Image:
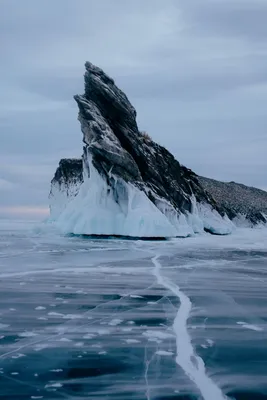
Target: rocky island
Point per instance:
(125, 184)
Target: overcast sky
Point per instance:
(195, 70)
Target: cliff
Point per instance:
(126, 184)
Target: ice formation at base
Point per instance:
(94, 208)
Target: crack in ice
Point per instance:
(186, 358)
(147, 363)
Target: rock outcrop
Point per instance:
(238, 200)
(69, 172)
(110, 133)
(124, 174)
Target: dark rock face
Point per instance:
(111, 135)
(69, 172)
(67, 180)
(236, 199)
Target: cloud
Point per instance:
(5, 185)
(228, 18)
(195, 71)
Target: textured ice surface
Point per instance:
(181, 319)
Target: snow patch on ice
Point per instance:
(54, 385)
(158, 334)
(79, 344)
(131, 341)
(27, 334)
(18, 356)
(210, 342)
(88, 336)
(250, 326)
(164, 353)
(115, 322)
(154, 340)
(55, 314)
(126, 329)
(72, 316)
(65, 340)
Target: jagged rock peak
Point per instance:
(111, 136)
(93, 69)
(101, 89)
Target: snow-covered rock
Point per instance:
(246, 206)
(126, 184)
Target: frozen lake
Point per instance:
(90, 319)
